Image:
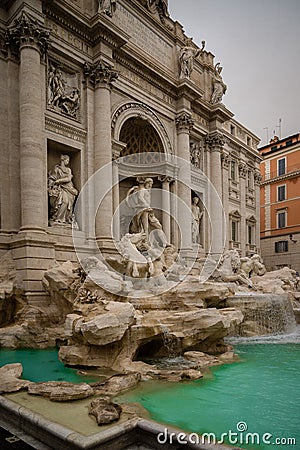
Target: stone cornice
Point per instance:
(99, 73)
(287, 176)
(56, 126)
(27, 31)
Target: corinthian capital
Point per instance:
(184, 123)
(215, 141)
(99, 73)
(27, 31)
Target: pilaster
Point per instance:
(101, 76)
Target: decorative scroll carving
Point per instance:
(63, 91)
(184, 123)
(219, 87)
(26, 30)
(99, 72)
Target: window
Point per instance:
(281, 193)
(250, 179)
(288, 143)
(233, 170)
(250, 234)
(281, 219)
(281, 166)
(234, 231)
(248, 141)
(232, 130)
(281, 246)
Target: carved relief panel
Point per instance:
(63, 90)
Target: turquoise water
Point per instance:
(42, 365)
(262, 390)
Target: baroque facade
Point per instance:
(280, 203)
(84, 82)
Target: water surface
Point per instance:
(262, 391)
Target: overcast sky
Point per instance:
(258, 45)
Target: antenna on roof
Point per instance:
(279, 128)
(267, 129)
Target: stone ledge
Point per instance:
(134, 431)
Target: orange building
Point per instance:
(280, 203)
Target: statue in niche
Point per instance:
(61, 97)
(196, 220)
(107, 7)
(219, 87)
(139, 199)
(62, 193)
(186, 59)
(195, 154)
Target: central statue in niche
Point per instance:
(139, 200)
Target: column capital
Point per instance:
(165, 178)
(184, 122)
(242, 169)
(225, 158)
(28, 32)
(257, 177)
(99, 74)
(215, 141)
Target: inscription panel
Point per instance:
(68, 37)
(144, 84)
(143, 37)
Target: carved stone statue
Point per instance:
(159, 6)
(107, 7)
(139, 199)
(195, 154)
(219, 88)
(196, 219)
(186, 59)
(59, 97)
(61, 192)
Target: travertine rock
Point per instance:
(110, 326)
(61, 391)
(105, 411)
(10, 381)
(117, 384)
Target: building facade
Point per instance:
(280, 203)
(95, 81)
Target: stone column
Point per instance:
(243, 238)
(31, 38)
(101, 76)
(225, 159)
(184, 123)
(166, 206)
(257, 181)
(215, 142)
(116, 196)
